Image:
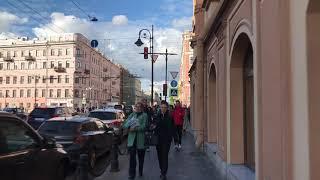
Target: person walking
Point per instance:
(178, 115)
(136, 124)
(164, 129)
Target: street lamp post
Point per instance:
(140, 43)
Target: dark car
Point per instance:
(24, 154)
(17, 111)
(41, 114)
(80, 135)
(112, 117)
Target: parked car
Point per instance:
(18, 112)
(80, 135)
(112, 117)
(41, 114)
(24, 154)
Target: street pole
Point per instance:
(165, 97)
(151, 65)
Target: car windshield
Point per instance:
(59, 128)
(43, 112)
(103, 115)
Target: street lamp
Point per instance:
(140, 43)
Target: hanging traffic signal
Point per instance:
(145, 52)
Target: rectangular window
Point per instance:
(1, 80)
(44, 65)
(52, 52)
(7, 93)
(37, 53)
(37, 79)
(43, 93)
(52, 64)
(8, 66)
(60, 52)
(67, 64)
(22, 65)
(76, 80)
(76, 93)
(15, 66)
(29, 65)
(28, 93)
(66, 79)
(29, 79)
(14, 80)
(51, 79)
(21, 93)
(1, 66)
(59, 64)
(36, 93)
(66, 93)
(14, 93)
(1, 55)
(59, 78)
(15, 54)
(21, 79)
(44, 79)
(7, 80)
(44, 52)
(26, 53)
(59, 93)
(22, 53)
(51, 93)
(68, 52)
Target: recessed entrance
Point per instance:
(212, 108)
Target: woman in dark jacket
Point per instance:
(164, 130)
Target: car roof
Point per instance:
(108, 110)
(78, 119)
(6, 114)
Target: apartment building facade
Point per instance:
(186, 62)
(61, 70)
(255, 87)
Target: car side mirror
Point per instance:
(50, 143)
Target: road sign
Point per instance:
(154, 57)
(174, 74)
(94, 43)
(174, 92)
(174, 83)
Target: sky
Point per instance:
(117, 28)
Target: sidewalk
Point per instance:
(184, 165)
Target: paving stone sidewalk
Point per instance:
(188, 164)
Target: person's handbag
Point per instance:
(151, 138)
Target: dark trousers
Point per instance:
(133, 161)
(163, 152)
(178, 134)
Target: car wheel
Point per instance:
(92, 158)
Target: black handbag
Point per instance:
(151, 138)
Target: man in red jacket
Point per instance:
(178, 115)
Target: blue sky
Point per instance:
(117, 28)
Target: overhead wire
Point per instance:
(82, 10)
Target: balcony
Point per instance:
(8, 59)
(60, 69)
(30, 58)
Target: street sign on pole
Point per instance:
(174, 83)
(174, 92)
(94, 43)
(174, 74)
(154, 57)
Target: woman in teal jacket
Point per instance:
(136, 123)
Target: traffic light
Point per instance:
(145, 52)
(165, 89)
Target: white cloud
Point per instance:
(7, 20)
(117, 41)
(120, 20)
(183, 23)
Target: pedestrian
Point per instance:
(178, 115)
(136, 124)
(164, 129)
(148, 110)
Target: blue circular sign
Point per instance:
(174, 83)
(94, 43)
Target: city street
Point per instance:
(184, 165)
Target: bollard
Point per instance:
(83, 167)
(114, 155)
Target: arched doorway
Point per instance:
(242, 103)
(212, 107)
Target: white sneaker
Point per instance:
(179, 146)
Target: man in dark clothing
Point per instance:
(164, 130)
